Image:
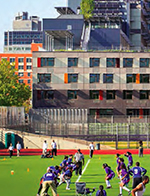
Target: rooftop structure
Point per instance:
(26, 30)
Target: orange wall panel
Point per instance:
(137, 78)
(65, 78)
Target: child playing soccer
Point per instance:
(109, 175)
(130, 159)
(124, 180)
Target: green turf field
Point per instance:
(26, 183)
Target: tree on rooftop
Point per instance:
(12, 93)
(87, 7)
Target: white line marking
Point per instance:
(83, 170)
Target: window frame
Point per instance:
(74, 94)
(73, 62)
(106, 77)
(96, 78)
(94, 62)
(71, 78)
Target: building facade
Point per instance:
(26, 30)
(105, 83)
(23, 63)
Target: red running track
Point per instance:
(28, 152)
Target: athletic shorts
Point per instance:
(136, 181)
(111, 176)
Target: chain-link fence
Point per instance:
(77, 123)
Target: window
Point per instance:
(29, 81)
(94, 62)
(29, 74)
(101, 112)
(94, 94)
(20, 60)
(45, 94)
(144, 94)
(131, 78)
(108, 78)
(49, 94)
(144, 62)
(113, 62)
(127, 62)
(144, 78)
(72, 62)
(21, 81)
(127, 94)
(20, 74)
(72, 78)
(110, 94)
(28, 60)
(47, 62)
(94, 78)
(132, 112)
(29, 67)
(12, 60)
(44, 78)
(72, 94)
(20, 67)
(106, 112)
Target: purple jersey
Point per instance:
(120, 164)
(49, 176)
(99, 191)
(68, 173)
(108, 171)
(130, 160)
(69, 161)
(63, 163)
(71, 165)
(137, 171)
(123, 173)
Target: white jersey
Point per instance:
(140, 193)
(45, 145)
(54, 146)
(18, 146)
(91, 147)
(11, 147)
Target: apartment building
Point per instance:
(105, 83)
(23, 63)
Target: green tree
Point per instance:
(12, 93)
(87, 7)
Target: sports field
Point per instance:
(29, 169)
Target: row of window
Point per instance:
(96, 94)
(21, 67)
(22, 81)
(129, 112)
(21, 74)
(95, 78)
(20, 60)
(95, 62)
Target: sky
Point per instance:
(41, 8)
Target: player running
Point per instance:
(66, 177)
(130, 159)
(124, 180)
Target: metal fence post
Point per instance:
(128, 136)
(116, 137)
(147, 136)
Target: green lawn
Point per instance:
(26, 183)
